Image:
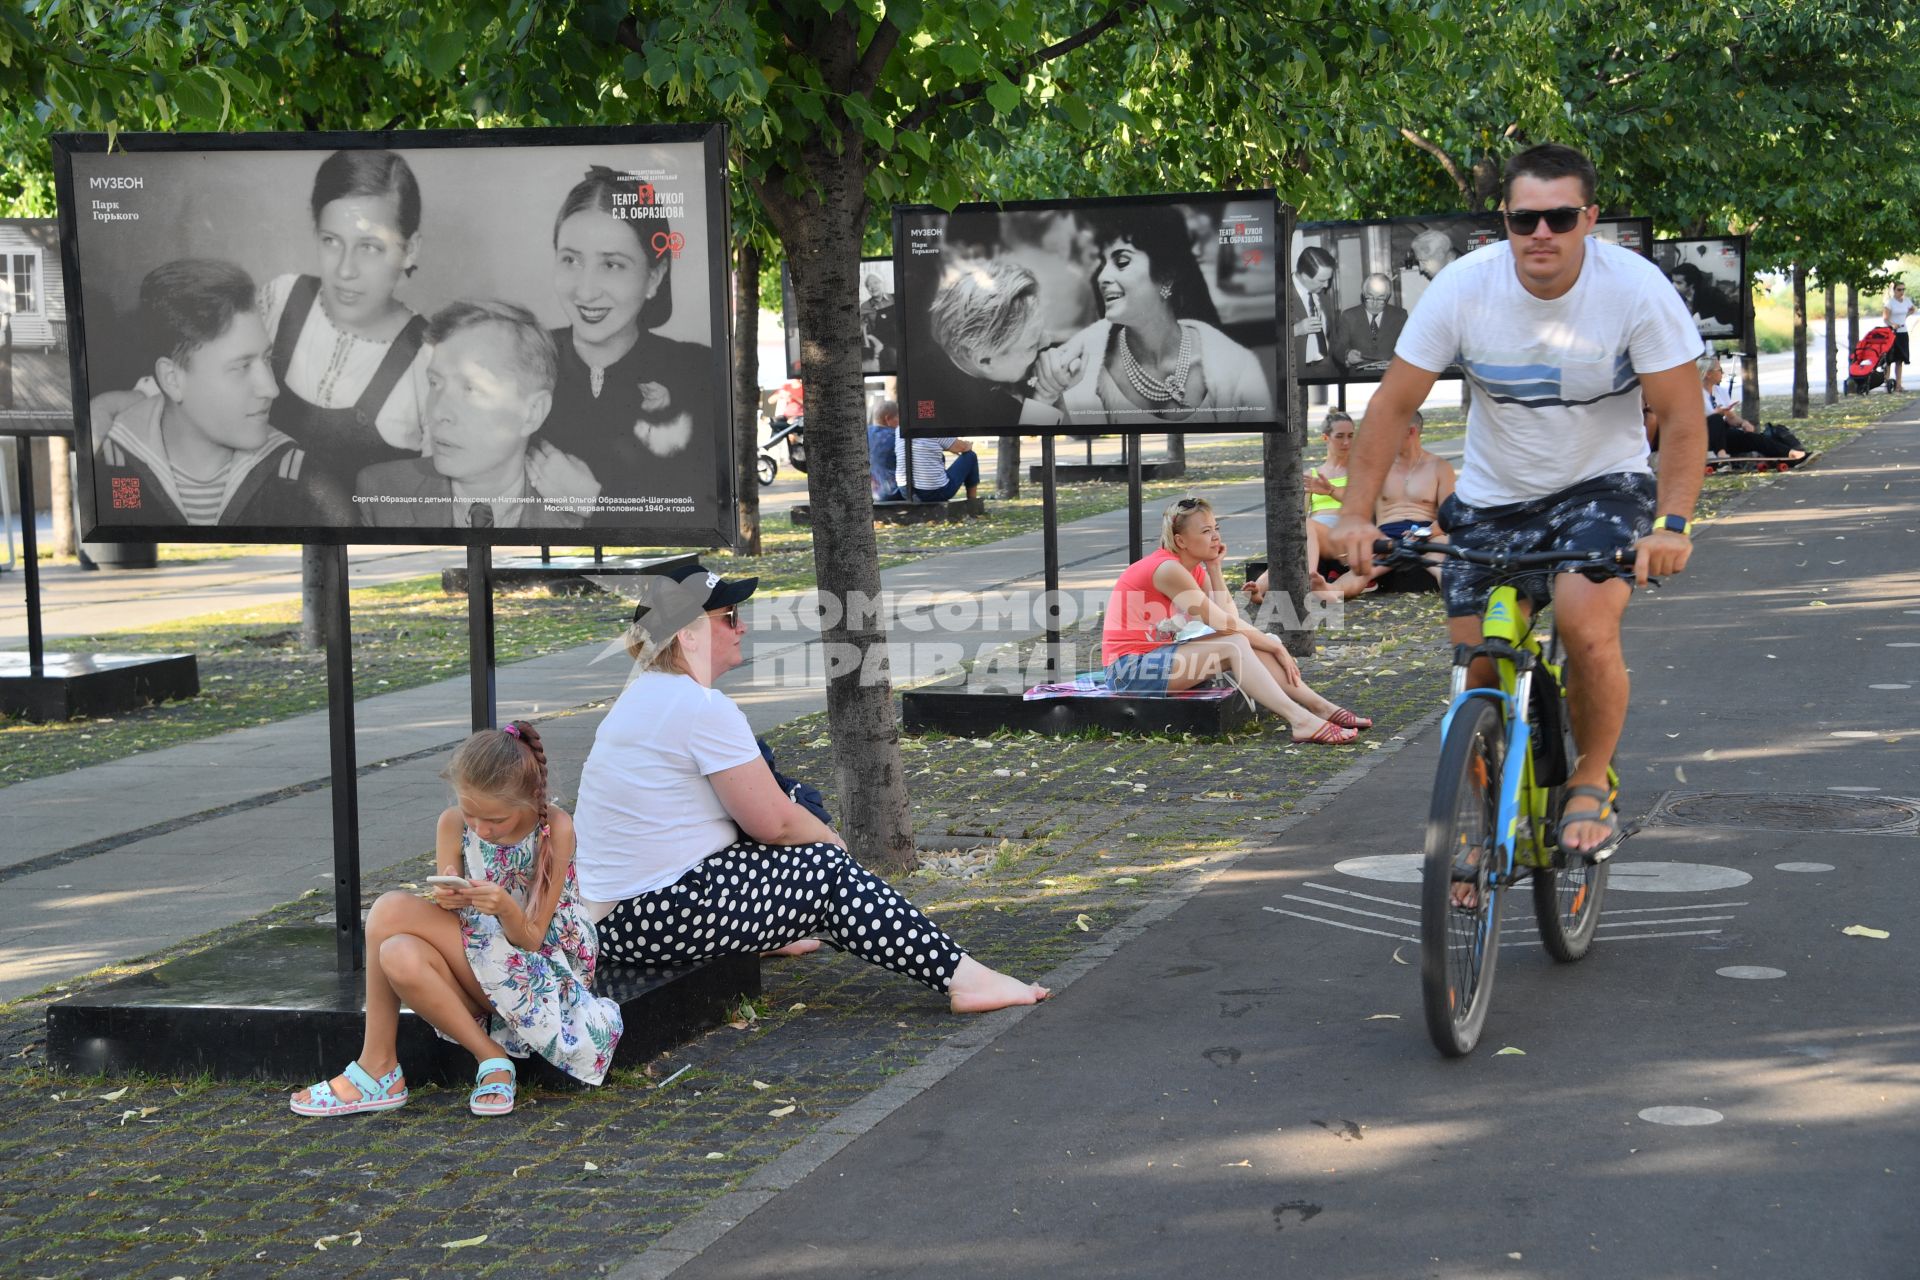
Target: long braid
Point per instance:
(531, 737)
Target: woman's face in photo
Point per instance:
(601, 274)
(363, 256)
(1126, 284)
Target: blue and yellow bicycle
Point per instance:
(1505, 754)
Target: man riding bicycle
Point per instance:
(1560, 336)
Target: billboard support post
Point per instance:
(1134, 503)
(1050, 544)
(30, 558)
(480, 667)
(336, 626)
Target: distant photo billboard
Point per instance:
(879, 320)
(36, 387)
(1357, 282)
(1078, 317)
(1710, 275)
(481, 336)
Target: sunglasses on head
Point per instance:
(1187, 504)
(1559, 221)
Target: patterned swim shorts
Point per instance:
(1602, 514)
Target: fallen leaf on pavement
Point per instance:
(1377, 1016)
(1862, 931)
(1238, 1164)
(1521, 1053)
(116, 1095)
(1397, 959)
(777, 1112)
(761, 1084)
(591, 1167)
(1083, 923)
(468, 1243)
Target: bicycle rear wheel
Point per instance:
(1459, 946)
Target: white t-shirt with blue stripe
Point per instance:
(1556, 393)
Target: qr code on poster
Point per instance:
(126, 493)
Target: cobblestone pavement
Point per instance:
(179, 1177)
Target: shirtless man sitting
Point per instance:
(1410, 496)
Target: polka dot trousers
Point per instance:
(753, 897)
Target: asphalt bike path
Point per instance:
(1729, 1080)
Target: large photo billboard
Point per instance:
(1356, 283)
(475, 336)
(879, 320)
(1083, 316)
(36, 392)
(1710, 275)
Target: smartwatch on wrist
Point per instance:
(1675, 524)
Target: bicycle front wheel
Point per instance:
(1460, 908)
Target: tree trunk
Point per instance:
(312, 575)
(1853, 320)
(1750, 366)
(60, 494)
(1800, 398)
(1177, 451)
(1284, 486)
(746, 396)
(1006, 477)
(1832, 346)
(821, 236)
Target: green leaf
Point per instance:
(197, 99)
(441, 53)
(916, 143)
(1003, 94)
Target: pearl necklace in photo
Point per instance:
(1172, 389)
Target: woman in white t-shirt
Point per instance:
(688, 848)
(1894, 316)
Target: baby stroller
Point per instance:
(1867, 369)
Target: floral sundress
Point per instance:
(543, 1000)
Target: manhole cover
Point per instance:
(1768, 811)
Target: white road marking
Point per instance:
(1338, 924)
(1803, 866)
(1759, 971)
(1684, 1116)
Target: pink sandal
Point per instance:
(1331, 735)
(1347, 720)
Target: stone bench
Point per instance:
(953, 706)
(952, 512)
(272, 1006)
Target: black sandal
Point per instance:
(1602, 813)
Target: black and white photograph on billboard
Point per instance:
(1355, 283)
(879, 320)
(1710, 276)
(484, 336)
(36, 389)
(1072, 317)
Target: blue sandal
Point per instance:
(375, 1095)
(479, 1102)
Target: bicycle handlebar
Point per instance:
(1500, 560)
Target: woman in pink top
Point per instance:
(1180, 583)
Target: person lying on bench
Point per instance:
(1158, 600)
(688, 848)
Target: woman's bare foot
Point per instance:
(978, 989)
(806, 946)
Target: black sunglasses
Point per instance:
(1559, 221)
(729, 615)
(1188, 504)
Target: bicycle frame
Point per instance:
(1507, 637)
